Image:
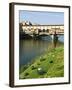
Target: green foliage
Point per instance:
(42, 59)
(51, 64)
(38, 63)
(26, 74)
(33, 67)
(41, 72)
(23, 68)
(51, 61)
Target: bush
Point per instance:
(33, 67)
(38, 63)
(26, 74)
(41, 71)
(24, 78)
(42, 59)
(51, 61)
(23, 68)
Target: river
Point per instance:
(30, 48)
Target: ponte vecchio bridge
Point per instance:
(43, 29)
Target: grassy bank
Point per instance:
(51, 64)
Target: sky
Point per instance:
(42, 17)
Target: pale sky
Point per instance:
(42, 17)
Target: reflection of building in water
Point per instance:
(55, 39)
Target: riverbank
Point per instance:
(48, 65)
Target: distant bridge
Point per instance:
(37, 30)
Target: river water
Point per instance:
(30, 48)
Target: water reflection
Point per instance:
(30, 48)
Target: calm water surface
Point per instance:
(30, 48)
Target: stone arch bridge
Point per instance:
(43, 29)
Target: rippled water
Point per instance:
(30, 48)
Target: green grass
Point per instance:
(52, 64)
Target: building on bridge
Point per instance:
(43, 29)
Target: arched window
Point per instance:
(39, 30)
(47, 30)
(43, 30)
